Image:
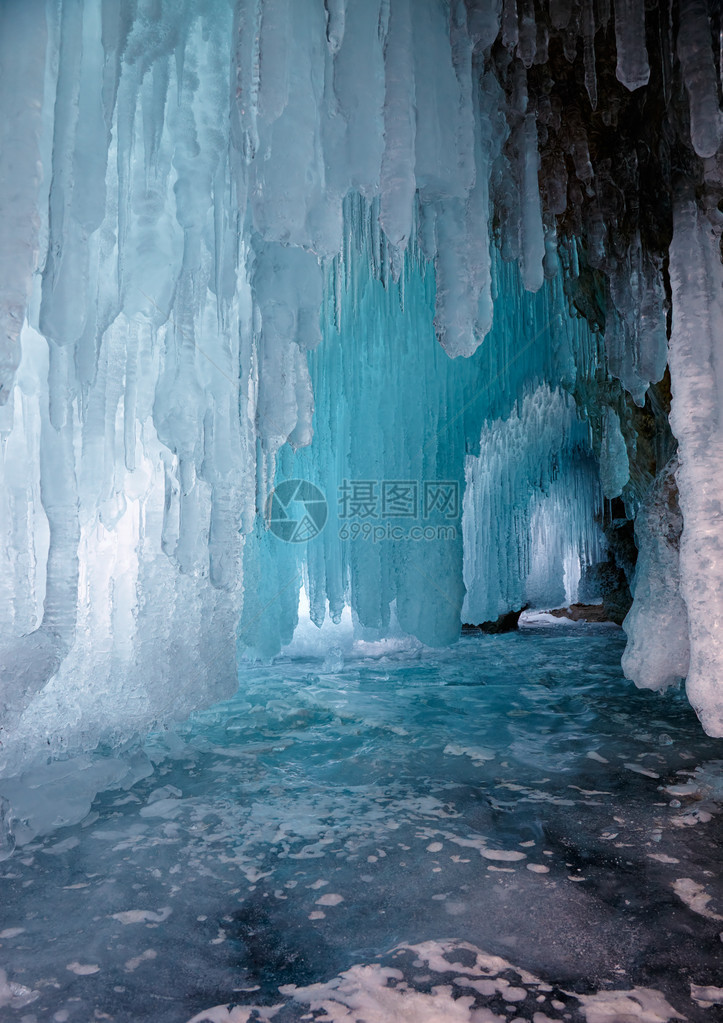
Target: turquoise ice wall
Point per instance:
(397, 425)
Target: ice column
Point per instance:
(657, 651)
(696, 369)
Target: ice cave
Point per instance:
(361, 511)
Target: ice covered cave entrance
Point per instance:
(361, 547)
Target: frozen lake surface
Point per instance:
(483, 834)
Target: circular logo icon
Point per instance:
(296, 511)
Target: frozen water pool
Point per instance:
(504, 831)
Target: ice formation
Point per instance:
(229, 236)
(658, 651)
(522, 544)
(697, 376)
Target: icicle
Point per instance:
(397, 179)
(696, 419)
(527, 46)
(246, 29)
(335, 23)
(510, 26)
(696, 59)
(361, 58)
(462, 258)
(60, 502)
(531, 230)
(633, 69)
(483, 20)
(571, 35)
(551, 262)
(560, 11)
(64, 304)
(603, 11)
(588, 31)
(614, 465)
(289, 173)
(443, 139)
(22, 58)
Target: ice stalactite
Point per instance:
(699, 74)
(633, 69)
(532, 244)
(696, 369)
(614, 463)
(22, 58)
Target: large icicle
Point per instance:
(696, 59)
(614, 464)
(696, 370)
(397, 176)
(22, 60)
(633, 69)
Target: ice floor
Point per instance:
(484, 834)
